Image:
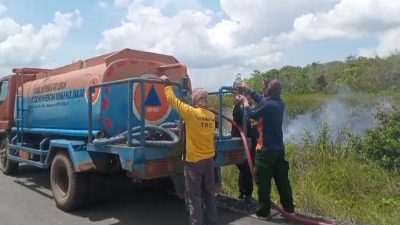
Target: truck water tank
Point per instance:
(59, 99)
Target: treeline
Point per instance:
(355, 74)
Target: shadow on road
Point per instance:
(34, 179)
(123, 202)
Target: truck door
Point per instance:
(4, 104)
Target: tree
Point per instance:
(238, 80)
(321, 83)
(382, 143)
(357, 74)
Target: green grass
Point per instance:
(299, 104)
(230, 180)
(228, 101)
(396, 97)
(296, 104)
(344, 187)
(333, 179)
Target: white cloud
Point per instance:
(147, 28)
(247, 34)
(192, 37)
(348, 19)
(351, 19)
(24, 45)
(176, 5)
(103, 4)
(222, 34)
(215, 77)
(122, 3)
(3, 8)
(261, 18)
(389, 43)
(367, 52)
(8, 27)
(171, 5)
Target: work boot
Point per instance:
(262, 215)
(288, 210)
(249, 198)
(241, 196)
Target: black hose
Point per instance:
(159, 143)
(116, 139)
(169, 125)
(136, 135)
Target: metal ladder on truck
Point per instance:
(17, 143)
(19, 120)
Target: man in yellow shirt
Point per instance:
(199, 156)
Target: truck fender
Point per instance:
(77, 153)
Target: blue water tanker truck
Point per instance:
(103, 115)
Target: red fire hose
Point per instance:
(292, 216)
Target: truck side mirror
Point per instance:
(3, 90)
(185, 86)
(185, 82)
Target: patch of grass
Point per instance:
(230, 184)
(230, 180)
(340, 186)
(227, 99)
(346, 188)
(364, 99)
(333, 178)
(395, 96)
(299, 104)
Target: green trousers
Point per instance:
(272, 164)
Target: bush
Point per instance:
(382, 143)
(330, 178)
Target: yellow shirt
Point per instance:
(200, 127)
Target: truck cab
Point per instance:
(7, 93)
(8, 89)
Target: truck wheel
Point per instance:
(7, 166)
(69, 187)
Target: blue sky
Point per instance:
(96, 19)
(216, 38)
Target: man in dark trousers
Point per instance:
(199, 155)
(270, 158)
(245, 179)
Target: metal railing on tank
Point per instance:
(220, 93)
(130, 82)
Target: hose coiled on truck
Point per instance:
(169, 125)
(158, 143)
(136, 135)
(116, 139)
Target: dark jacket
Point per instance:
(237, 114)
(271, 109)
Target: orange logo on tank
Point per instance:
(96, 93)
(156, 106)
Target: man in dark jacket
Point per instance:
(245, 179)
(270, 158)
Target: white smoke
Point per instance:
(336, 114)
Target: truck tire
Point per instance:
(69, 187)
(7, 166)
